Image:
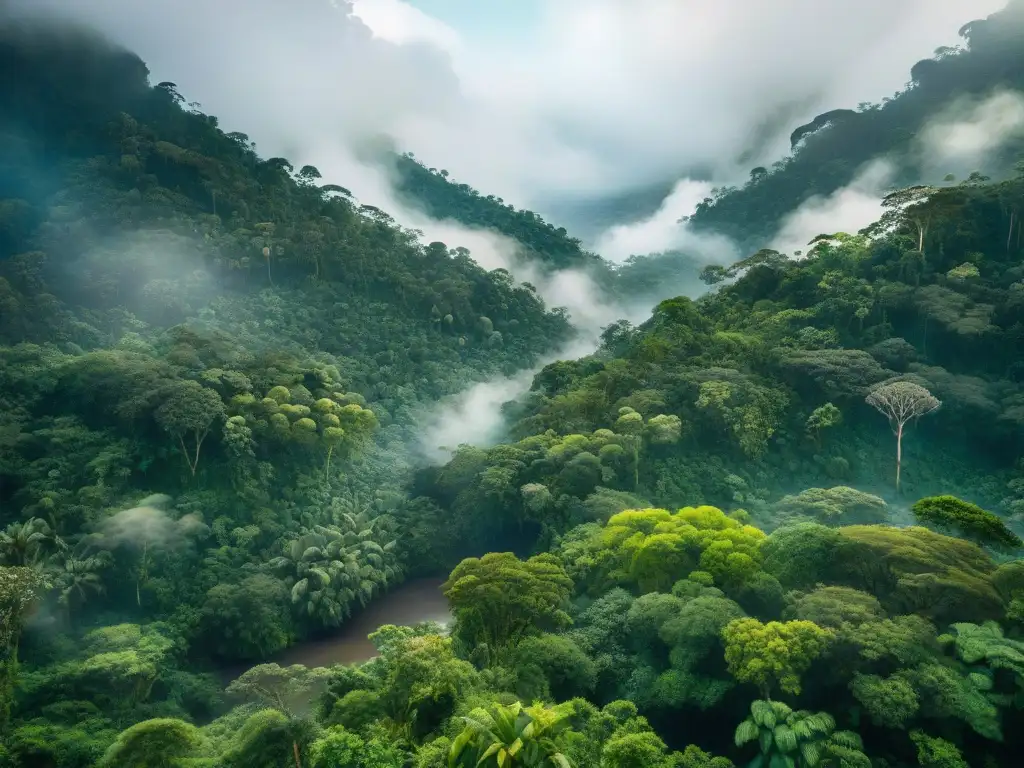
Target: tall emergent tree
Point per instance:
(190, 409)
(901, 401)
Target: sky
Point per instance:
(537, 101)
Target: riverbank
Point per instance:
(410, 603)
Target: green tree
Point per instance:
(248, 620)
(800, 739)
(695, 757)
(287, 689)
(661, 429)
(423, 679)
(934, 752)
(20, 589)
(504, 736)
(900, 402)
(339, 748)
(23, 544)
(158, 743)
(776, 653)
(823, 417)
(76, 575)
(839, 505)
(498, 599)
(269, 739)
(948, 513)
(189, 409)
(291, 691)
(329, 568)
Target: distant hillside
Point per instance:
(131, 225)
(444, 198)
(643, 278)
(830, 149)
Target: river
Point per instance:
(410, 603)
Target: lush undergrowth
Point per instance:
(213, 375)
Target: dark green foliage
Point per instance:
(698, 511)
(498, 599)
(248, 620)
(830, 150)
(158, 743)
(951, 513)
(442, 197)
(801, 738)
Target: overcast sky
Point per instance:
(532, 100)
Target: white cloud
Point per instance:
(663, 230)
(595, 96)
(969, 130)
(849, 209)
(401, 23)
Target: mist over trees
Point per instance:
(689, 549)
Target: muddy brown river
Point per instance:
(410, 603)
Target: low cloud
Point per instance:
(665, 231)
(148, 525)
(849, 209)
(583, 98)
(969, 131)
(474, 417)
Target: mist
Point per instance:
(474, 416)
(612, 96)
(148, 525)
(666, 230)
(848, 209)
(969, 132)
(957, 140)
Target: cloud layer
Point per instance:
(969, 131)
(848, 209)
(592, 97)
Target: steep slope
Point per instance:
(442, 197)
(188, 474)
(829, 151)
(182, 315)
(758, 388)
(642, 279)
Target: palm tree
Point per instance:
(509, 736)
(23, 543)
(79, 576)
(799, 739)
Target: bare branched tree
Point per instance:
(901, 401)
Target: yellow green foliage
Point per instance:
(773, 653)
(653, 548)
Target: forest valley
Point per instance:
(775, 526)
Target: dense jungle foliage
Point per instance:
(774, 526)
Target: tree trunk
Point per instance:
(899, 455)
(327, 465)
(184, 452)
(295, 751)
(199, 444)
